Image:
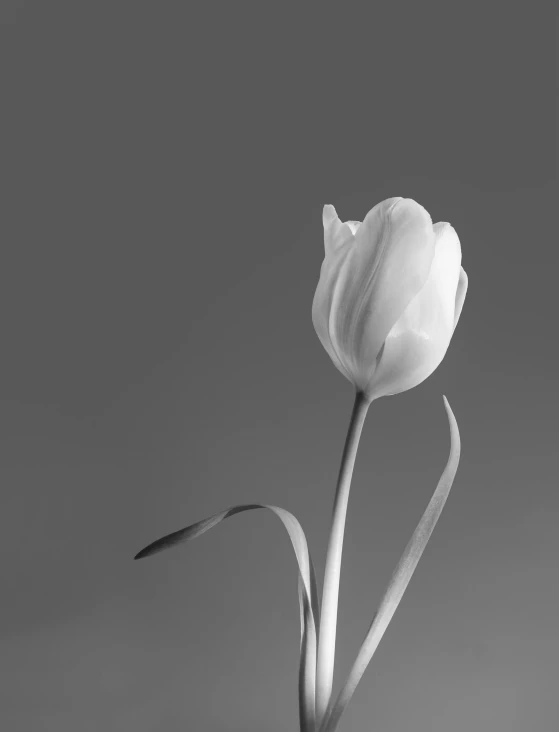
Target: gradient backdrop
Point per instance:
(163, 171)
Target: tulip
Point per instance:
(390, 293)
(389, 296)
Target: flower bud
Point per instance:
(389, 296)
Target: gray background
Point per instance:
(163, 168)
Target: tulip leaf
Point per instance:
(399, 580)
(307, 591)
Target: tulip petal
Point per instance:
(387, 266)
(336, 233)
(325, 305)
(460, 295)
(418, 341)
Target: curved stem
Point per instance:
(330, 590)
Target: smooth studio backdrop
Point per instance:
(163, 168)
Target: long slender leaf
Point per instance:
(307, 590)
(400, 579)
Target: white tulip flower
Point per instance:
(390, 293)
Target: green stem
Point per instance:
(330, 590)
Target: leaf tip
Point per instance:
(454, 431)
(148, 550)
(449, 411)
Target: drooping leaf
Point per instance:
(307, 590)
